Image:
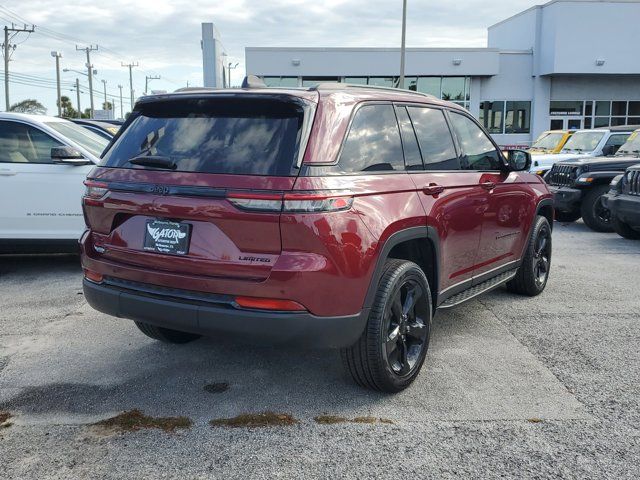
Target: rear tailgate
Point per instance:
(231, 159)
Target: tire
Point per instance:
(624, 230)
(595, 216)
(532, 276)
(166, 335)
(390, 353)
(567, 217)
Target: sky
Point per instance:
(163, 37)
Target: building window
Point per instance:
(453, 88)
(280, 81)
(506, 117)
(492, 116)
(313, 81)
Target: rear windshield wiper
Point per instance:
(154, 161)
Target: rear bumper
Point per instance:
(196, 316)
(565, 199)
(625, 207)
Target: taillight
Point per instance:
(291, 202)
(316, 202)
(95, 277)
(95, 190)
(269, 304)
(261, 202)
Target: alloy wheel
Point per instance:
(542, 256)
(406, 332)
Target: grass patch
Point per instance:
(256, 420)
(333, 419)
(135, 420)
(4, 420)
(216, 387)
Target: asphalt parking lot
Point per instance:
(512, 386)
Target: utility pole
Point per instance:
(106, 104)
(7, 49)
(78, 94)
(130, 66)
(146, 82)
(88, 51)
(121, 114)
(402, 44)
(57, 56)
(230, 67)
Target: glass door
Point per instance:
(565, 123)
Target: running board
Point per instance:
(479, 289)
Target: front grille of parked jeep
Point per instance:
(631, 184)
(562, 175)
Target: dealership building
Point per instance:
(564, 64)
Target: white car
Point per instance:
(43, 164)
(584, 143)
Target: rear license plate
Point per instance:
(167, 237)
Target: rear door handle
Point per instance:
(6, 172)
(488, 185)
(433, 189)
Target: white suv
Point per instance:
(585, 143)
(43, 164)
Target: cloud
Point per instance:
(164, 36)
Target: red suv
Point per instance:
(335, 216)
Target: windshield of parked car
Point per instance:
(253, 136)
(631, 146)
(547, 141)
(583, 142)
(87, 139)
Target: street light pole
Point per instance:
(57, 56)
(402, 44)
(78, 94)
(121, 114)
(230, 67)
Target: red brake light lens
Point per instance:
(93, 276)
(269, 304)
(291, 202)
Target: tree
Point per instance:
(28, 106)
(67, 107)
(107, 106)
(86, 113)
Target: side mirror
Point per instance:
(68, 155)
(518, 160)
(609, 150)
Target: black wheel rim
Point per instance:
(406, 331)
(542, 256)
(601, 213)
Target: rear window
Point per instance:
(253, 136)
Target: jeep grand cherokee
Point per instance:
(334, 216)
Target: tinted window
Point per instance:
(478, 152)
(412, 158)
(254, 136)
(618, 140)
(373, 142)
(434, 139)
(21, 143)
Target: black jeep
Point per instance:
(579, 185)
(623, 201)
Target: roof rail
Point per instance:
(193, 89)
(339, 86)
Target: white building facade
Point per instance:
(564, 64)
